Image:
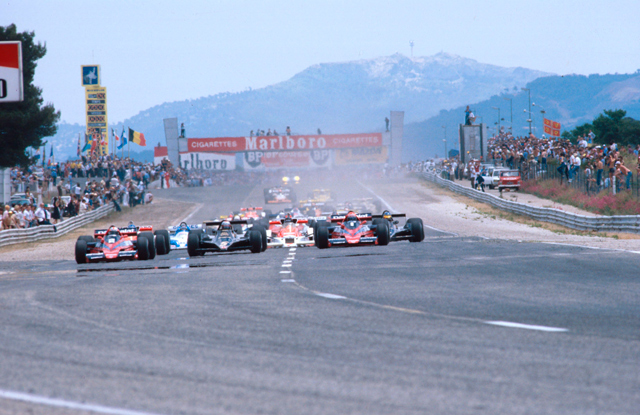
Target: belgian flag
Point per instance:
(137, 138)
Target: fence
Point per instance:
(629, 224)
(16, 236)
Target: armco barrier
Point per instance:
(629, 224)
(16, 236)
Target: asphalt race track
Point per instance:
(447, 326)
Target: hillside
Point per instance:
(571, 100)
(336, 97)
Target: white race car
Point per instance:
(178, 235)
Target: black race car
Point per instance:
(412, 230)
(225, 236)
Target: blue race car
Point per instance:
(178, 235)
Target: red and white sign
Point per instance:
(159, 154)
(284, 142)
(273, 160)
(208, 161)
(218, 144)
(11, 89)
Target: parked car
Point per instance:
(509, 179)
(493, 178)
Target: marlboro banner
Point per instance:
(552, 127)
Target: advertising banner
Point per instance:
(364, 155)
(218, 144)
(208, 161)
(11, 89)
(274, 160)
(159, 154)
(96, 113)
(285, 143)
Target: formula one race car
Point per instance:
(279, 194)
(116, 244)
(290, 231)
(412, 230)
(220, 236)
(322, 195)
(352, 229)
(178, 235)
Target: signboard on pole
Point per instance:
(96, 106)
(11, 88)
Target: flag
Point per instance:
(37, 156)
(124, 139)
(87, 140)
(115, 134)
(50, 157)
(137, 138)
(552, 127)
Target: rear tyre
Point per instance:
(322, 240)
(263, 236)
(383, 233)
(417, 230)
(152, 245)
(193, 243)
(161, 247)
(81, 251)
(167, 241)
(143, 248)
(255, 240)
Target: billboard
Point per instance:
(208, 161)
(90, 75)
(364, 155)
(96, 116)
(11, 88)
(285, 142)
(274, 160)
(473, 142)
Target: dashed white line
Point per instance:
(285, 272)
(42, 400)
(286, 265)
(286, 262)
(526, 326)
(288, 280)
(331, 296)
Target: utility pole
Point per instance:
(511, 112)
(529, 120)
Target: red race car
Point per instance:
(117, 244)
(290, 232)
(352, 229)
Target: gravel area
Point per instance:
(160, 214)
(448, 211)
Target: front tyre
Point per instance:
(255, 240)
(161, 247)
(81, 251)
(193, 243)
(142, 245)
(151, 243)
(322, 240)
(417, 230)
(382, 232)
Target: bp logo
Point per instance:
(320, 157)
(253, 158)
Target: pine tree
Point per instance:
(24, 124)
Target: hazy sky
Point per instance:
(158, 51)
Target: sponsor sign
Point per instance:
(159, 154)
(363, 155)
(96, 116)
(273, 160)
(11, 88)
(233, 144)
(90, 75)
(208, 161)
(285, 143)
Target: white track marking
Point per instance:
(285, 272)
(590, 247)
(440, 230)
(42, 400)
(197, 208)
(525, 326)
(288, 280)
(292, 249)
(286, 265)
(331, 296)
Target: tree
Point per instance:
(610, 127)
(24, 124)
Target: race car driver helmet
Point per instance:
(288, 218)
(387, 215)
(113, 232)
(351, 216)
(225, 228)
(131, 224)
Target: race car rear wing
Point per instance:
(339, 218)
(127, 230)
(192, 226)
(393, 215)
(294, 220)
(219, 222)
(249, 209)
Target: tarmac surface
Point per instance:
(457, 324)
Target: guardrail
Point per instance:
(16, 236)
(629, 224)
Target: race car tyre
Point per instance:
(417, 230)
(263, 235)
(143, 248)
(193, 242)
(152, 245)
(81, 251)
(255, 239)
(382, 231)
(87, 238)
(161, 247)
(376, 221)
(167, 241)
(322, 240)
